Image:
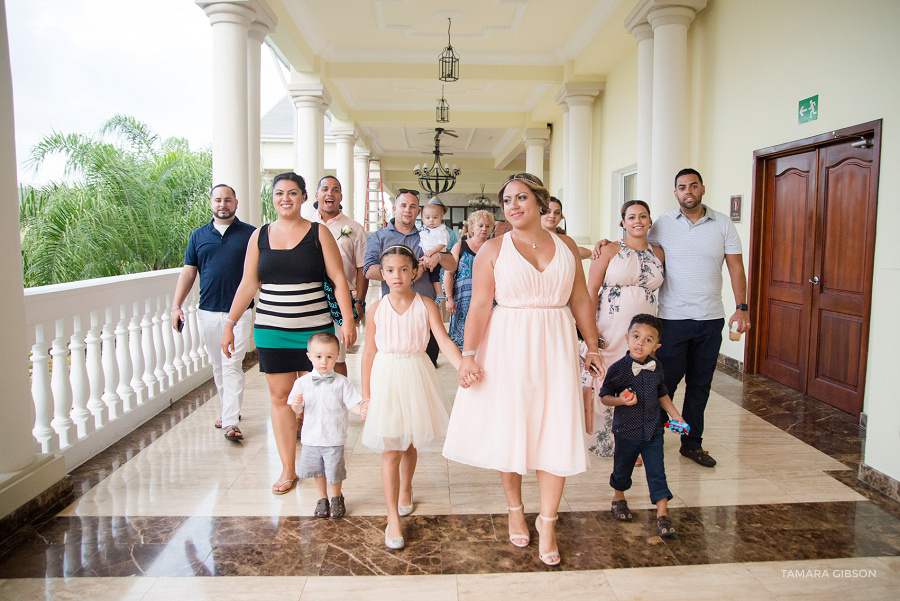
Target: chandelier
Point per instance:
(442, 112)
(437, 178)
(482, 202)
(449, 60)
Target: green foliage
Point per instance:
(133, 204)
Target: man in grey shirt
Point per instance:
(402, 230)
(696, 240)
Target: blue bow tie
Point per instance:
(324, 378)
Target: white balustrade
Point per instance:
(137, 354)
(83, 418)
(95, 367)
(104, 359)
(109, 367)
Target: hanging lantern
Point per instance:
(449, 60)
(442, 112)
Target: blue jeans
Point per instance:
(690, 350)
(624, 456)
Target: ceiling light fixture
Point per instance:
(438, 178)
(449, 60)
(442, 112)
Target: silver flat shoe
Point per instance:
(405, 510)
(393, 543)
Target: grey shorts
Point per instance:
(318, 462)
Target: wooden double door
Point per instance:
(815, 241)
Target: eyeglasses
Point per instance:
(405, 191)
(524, 177)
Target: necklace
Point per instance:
(533, 244)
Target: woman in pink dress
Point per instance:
(622, 282)
(526, 412)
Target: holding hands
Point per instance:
(469, 372)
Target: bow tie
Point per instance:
(324, 378)
(637, 367)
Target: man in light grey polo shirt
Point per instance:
(696, 240)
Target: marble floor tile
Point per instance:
(75, 589)
(746, 491)
(701, 583)
(588, 585)
(272, 588)
(816, 488)
(381, 588)
(843, 578)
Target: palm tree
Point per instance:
(130, 206)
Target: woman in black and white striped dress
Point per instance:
(286, 261)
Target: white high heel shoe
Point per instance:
(393, 543)
(519, 537)
(405, 510)
(551, 557)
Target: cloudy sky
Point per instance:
(76, 63)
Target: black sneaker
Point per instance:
(699, 456)
(321, 508)
(337, 507)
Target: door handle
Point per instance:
(814, 280)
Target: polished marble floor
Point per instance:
(781, 516)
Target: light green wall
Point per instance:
(751, 63)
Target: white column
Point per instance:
(24, 476)
(345, 137)
(15, 398)
(309, 141)
(360, 182)
(535, 140)
(565, 148)
(671, 89)
(251, 205)
(644, 35)
(230, 23)
(579, 97)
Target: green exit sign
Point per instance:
(808, 109)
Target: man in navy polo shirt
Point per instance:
(217, 251)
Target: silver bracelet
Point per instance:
(468, 353)
(176, 307)
(231, 321)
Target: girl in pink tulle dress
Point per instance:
(404, 407)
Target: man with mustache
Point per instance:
(351, 240)
(216, 251)
(696, 240)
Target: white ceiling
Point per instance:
(378, 58)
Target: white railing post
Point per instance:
(83, 418)
(41, 393)
(168, 335)
(95, 372)
(179, 338)
(124, 390)
(104, 359)
(110, 397)
(137, 355)
(62, 389)
(149, 376)
(159, 373)
(196, 359)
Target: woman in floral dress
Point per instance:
(622, 282)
